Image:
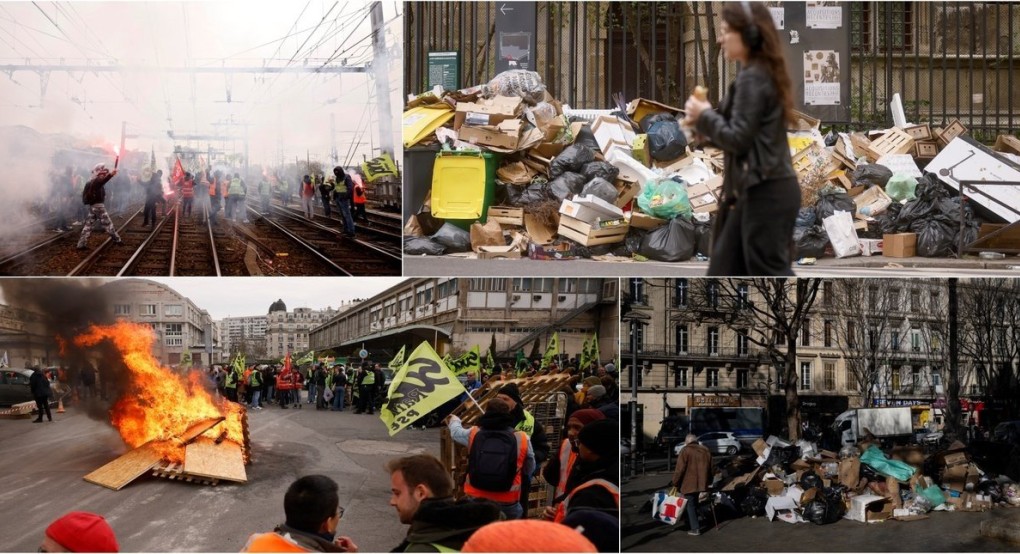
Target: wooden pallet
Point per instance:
(175, 472)
(894, 141)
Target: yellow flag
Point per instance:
(398, 361)
(382, 166)
(422, 385)
(307, 358)
(590, 351)
(551, 351)
(470, 361)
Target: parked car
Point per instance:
(720, 442)
(14, 387)
(1007, 431)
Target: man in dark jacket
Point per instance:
(524, 421)
(312, 506)
(320, 387)
(41, 392)
(422, 493)
(94, 197)
(153, 193)
(692, 475)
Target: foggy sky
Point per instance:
(288, 110)
(235, 297)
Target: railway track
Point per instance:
(344, 255)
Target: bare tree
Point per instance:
(771, 314)
(990, 337)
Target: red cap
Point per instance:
(83, 532)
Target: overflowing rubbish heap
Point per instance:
(516, 173)
(798, 483)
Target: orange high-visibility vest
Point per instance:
(213, 186)
(502, 497)
(188, 188)
(561, 510)
(359, 194)
(271, 542)
(567, 459)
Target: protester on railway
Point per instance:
(265, 194)
(79, 532)
(760, 198)
(421, 491)
(62, 193)
(326, 192)
(307, 196)
(283, 190)
(201, 195)
(93, 196)
(342, 194)
(153, 189)
(187, 192)
(313, 510)
(359, 199)
(216, 192)
(237, 194)
(499, 457)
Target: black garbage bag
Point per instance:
(534, 193)
(673, 242)
(805, 217)
(509, 195)
(665, 139)
(586, 138)
(600, 188)
(604, 170)
(885, 223)
(872, 175)
(453, 238)
(930, 188)
(416, 246)
(754, 504)
(830, 202)
(935, 235)
(783, 456)
(823, 510)
(703, 238)
(631, 243)
(810, 479)
(914, 210)
(573, 159)
(991, 488)
(811, 241)
(567, 185)
(428, 222)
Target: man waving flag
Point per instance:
(422, 385)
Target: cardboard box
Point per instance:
(705, 197)
(517, 173)
(850, 472)
(611, 132)
(638, 108)
(955, 459)
(420, 122)
(919, 132)
(589, 234)
(498, 252)
(506, 135)
(590, 209)
(1008, 144)
(506, 215)
(561, 251)
(869, 508)
(869, 247)
(804, 122)
(640, 220)
(625, 192)
(899, 245)
(955, 478)
(490, 112)
(926, 150)
(954, 130)
(775, 487)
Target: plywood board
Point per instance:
(121, 471)
(197, 429)
(205, 458)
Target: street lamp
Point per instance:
(634, 319)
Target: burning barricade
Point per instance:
(504, 170)
(175, 426)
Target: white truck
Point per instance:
(885, 423)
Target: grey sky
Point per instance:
(288, 112)
(234, 297)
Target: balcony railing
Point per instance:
(726, 351)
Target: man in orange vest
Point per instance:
(216, 185)
(187, 188)
(498, 457)
(594, 481)
(312, 506)
(557, 471)
(359, 199)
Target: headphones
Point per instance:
(752, 36)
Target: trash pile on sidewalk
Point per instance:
(799, 483)
(515, 173)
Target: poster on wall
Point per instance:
(824, 14)
(821, 78)
(778, 17)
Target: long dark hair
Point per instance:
(770, 52)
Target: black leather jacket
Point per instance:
(750, 128)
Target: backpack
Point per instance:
(492, 461)
(89, 193)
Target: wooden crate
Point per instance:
(926, 150)
(1007, 143)
(506, 215)
(894, 141)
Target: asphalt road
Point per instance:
(874, 266)
(941, 532)
(42, 465)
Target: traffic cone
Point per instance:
(60, 405)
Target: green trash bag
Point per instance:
(901, 187)
(666, 199)
(877, 460)
(933, 494)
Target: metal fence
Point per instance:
(948, 60)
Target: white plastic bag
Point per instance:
(840, 228)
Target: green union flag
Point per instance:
(551, 350)
(422, 385)
(398, 360)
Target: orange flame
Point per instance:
(159, 404)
